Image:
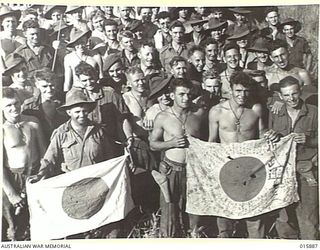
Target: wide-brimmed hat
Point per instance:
(6, 11)
(157, 84)
(75, 97)
(240, 33)
(12, 61)
(57, 26)
(241, 10)
(289, 21)
(260, 45)
(215, 24)
(52, 8)
(196, 19)
(77, 34)
(135, 26)
(111, 60)
(71, 9)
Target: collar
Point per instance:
(303, 111)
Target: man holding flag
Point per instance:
(236, 120)
(77, 143)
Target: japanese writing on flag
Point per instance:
(240, 180)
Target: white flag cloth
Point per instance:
(240, 180)
(80, 200)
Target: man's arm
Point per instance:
(156, 136)
(257, 108)
(214, 114)
(67, 74)
(307, 60)
(304, 76)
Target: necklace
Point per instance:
(143, 107)
(237, 122)
(183, 123)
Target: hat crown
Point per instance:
(215, 23)
(6, 10)
(74, 97)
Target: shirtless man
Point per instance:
(142, 157)
(170, 136)
(236, 121)
(281, 68)
(23, 148)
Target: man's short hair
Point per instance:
(29, 11)
(193, 49)
(209, 41)
(45, 74)
(140, 8)
(288, 81)
(174, 61)
(241, 78)
(229, 46)
(210, 74)
(163, 15)
(146, 44)
(97, 13)
(86, 69)
(271, 9)
(175, 24)
(133, 70)
(30, 24)
(125, 33)
(276, 44)
(110, 22)
(180, 82)
(9, 93)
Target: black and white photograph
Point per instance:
(146, 122)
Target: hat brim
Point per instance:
(159, 88)
(48, 14)
(239, 36)
(68, 106)
(7, 71)
(257, 49)
(15, 13)
(296, 24)
(197, 22)
(72, 10)
(71, 43)
(221, 26)
(245, 12)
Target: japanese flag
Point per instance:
(80, 200)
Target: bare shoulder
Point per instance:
(257, 108)
(219, 108)
(126, 97)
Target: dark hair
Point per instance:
(9, 93)
(242, 78)
(97, 13)
(179, 82)
(140, 8)
(175, 24)
(229, 46)
(146, 44)
(30, 24)
(210, 74)
(110, 22)
(133, 70)
(84, 68)
(125, 33)
(177, 59)
(29, 11)
(276, 44)
(271, 9)
(209, 41)
(163, 15)
(193, 49)
(45, 74)
(288, 81)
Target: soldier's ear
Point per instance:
(68, 112)
(139, 55)
(172, 95)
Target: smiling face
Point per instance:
(111, 32)
(291, 95)
(19, 74)
(146, 14)
(197, 59)
(56, 15)
(79, 114)
(137, 82)
(272, 18)
(164, 24)
(47, 89)
(280, 57)
(262, 57)
(232, 58)
(147, 56)
(288, 30)
(165, 99)
(9, 24)
(88, 82)
(212, 52)
(240, 94)
(11, 108)
(216, 34)
(116, 72)
(127, 43)
(98, 23)
(179, 70)
(33, 36)
(181, 97)
(177, 34)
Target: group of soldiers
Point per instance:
(83, 84)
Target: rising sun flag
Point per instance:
(80, 200)
(240, 180)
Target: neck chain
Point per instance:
(237, 122)
(143, 107)
(182, 122)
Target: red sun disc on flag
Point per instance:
(243, 178)
(84, 198)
